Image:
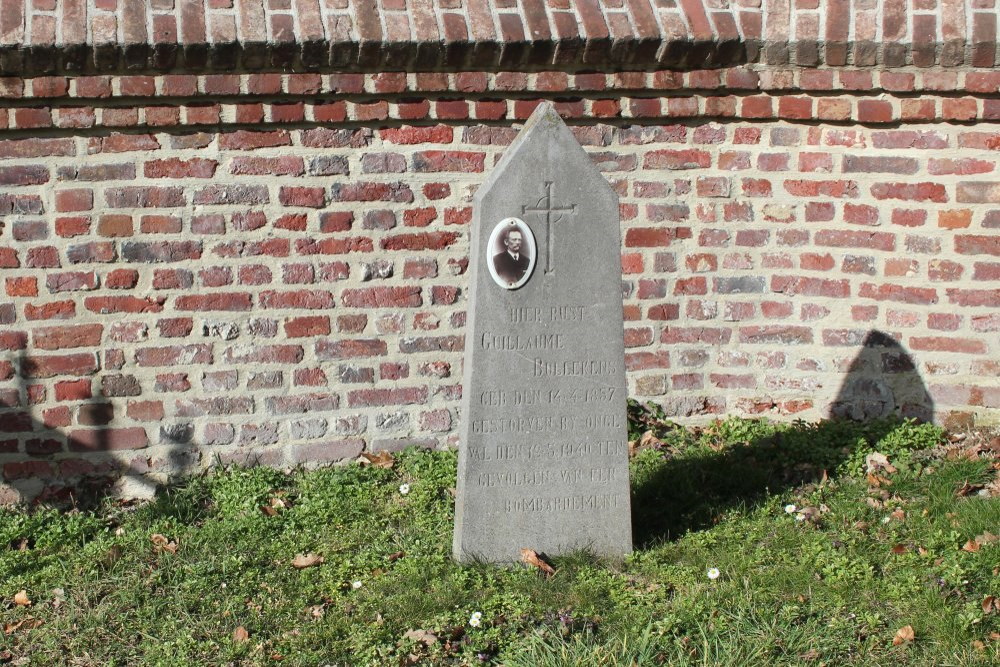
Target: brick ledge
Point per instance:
(71, 37)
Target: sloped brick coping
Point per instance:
(44, 36)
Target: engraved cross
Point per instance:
(545, 206)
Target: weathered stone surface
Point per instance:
(543, 462)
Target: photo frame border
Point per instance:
(492, 249)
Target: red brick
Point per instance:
(419, 241)
(299, 327)
(73, 390)
(56, 338)
(677, 159)
(22, 286)
(874, 111)
(327, 349)
(956, 219)
(123, 304)
(960, 166)
(177, 168)
(384, 397)
(804, 188)
(382, 297)
(240, 140)
(214, 302)
(776, 334)
(39, 367)
(948, 344)
(972, 244)
(302, 196)
(911, 295)
(107, 439)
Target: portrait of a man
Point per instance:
(512, 248)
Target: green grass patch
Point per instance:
(822, 556)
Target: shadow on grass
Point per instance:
(690, 492)
(881, 388)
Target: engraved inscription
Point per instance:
(519, 397)
(547, 424)
(521, 478)
(527, 314)
(550, 450)
(518, 343)
(598, 501)
(578, 368)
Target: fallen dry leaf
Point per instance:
(874, 503)
(968, 489)
(877, 480)
(531, 557)
(994, 636)
(29, 623)
(899, 549)
(393, 557)
(811, 654)
(382, 459)
(163, 543)
(971, 546)
(978, 645)
(876, 461)
(423, 636)
(649, 439)
(904, 634)
(21, 598)
(991, 604)
(987, 538)
(267, 510)
(898, 514)
(302, 561)
(240, 634)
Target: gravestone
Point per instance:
(543, 461)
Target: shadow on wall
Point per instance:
(66, 465)
(682, 494)
(882, 381)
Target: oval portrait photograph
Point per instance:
(510, 253)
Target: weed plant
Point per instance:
(822, 556)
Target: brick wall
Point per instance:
(271, 266)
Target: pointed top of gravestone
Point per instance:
(545, 137)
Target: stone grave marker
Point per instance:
(543, 461)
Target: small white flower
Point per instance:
(475, 619)
(355, 585)
(790, 509)
(713, 573)
(800, 517)
(886, 519)
(404, 489)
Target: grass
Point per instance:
(831, 582)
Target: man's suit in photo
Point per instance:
(510, 269)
